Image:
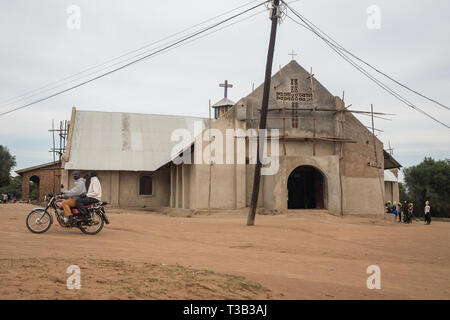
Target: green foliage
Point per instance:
(429, 180)
(33, 191)
(402, 191)
(15, 187)
(7, 162)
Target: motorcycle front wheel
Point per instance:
(38, 221)
(93, 226)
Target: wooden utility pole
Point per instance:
(53, 134)
(264, 111)
(377, 166)
(313, 110)
(210, 162)
(373, 134)
(284, 116)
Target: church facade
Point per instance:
(323, 156)
(327, 158)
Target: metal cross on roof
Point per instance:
(292, 54)
(226, 85)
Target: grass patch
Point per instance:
(106, 279)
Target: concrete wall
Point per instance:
(388, 192)
(362, 175)
(121, 188)
(281, 82)
(227, 180)
(391, 191)
(129, 189)
(231, 184)
(275, 187)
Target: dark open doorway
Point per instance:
(34, 188)
(306, 189)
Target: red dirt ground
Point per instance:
(311, 255)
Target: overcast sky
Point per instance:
(37, 48)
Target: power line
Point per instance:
(35, 92)
(337, 44)
(136, 56)
(337, 49)
(166, 48)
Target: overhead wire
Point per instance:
(336, 48)
(175, 44)
(337, 44)
(60, 82)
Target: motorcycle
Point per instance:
(39, 220)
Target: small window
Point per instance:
(145, 186)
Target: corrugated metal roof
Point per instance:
(124, 141)
(224, 103)
(389, 176)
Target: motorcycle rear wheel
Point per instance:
(94, 226)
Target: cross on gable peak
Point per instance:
(226, 85)
(292, 54)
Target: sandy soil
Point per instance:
(295, 256)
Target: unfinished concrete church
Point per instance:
(327, 158)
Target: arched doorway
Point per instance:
(306, 188)
(34, 188)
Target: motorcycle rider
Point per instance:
(93, 195)
(73, 194)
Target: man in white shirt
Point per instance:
(427, 213)
(94, 195)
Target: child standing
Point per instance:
(427, 211)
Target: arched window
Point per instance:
(145, 186)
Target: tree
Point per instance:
(15, 187)
(7, 162)
(429, 181)
(403, 193)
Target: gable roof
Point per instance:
(283, 77)
(225, 102)
(389, 161)
(40, 166)
(125, 141)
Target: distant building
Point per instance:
(47, 178)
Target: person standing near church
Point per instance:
(394, 209)
(405, 210)
(427, 211)
(410, 213)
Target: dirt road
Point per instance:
(295, 256)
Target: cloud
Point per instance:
(37, 48)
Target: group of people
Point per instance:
(86, 191)
(8, 197)
(407, 209)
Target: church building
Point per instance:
(322, 156)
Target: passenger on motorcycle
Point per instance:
(73, 194)
(93, 195)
